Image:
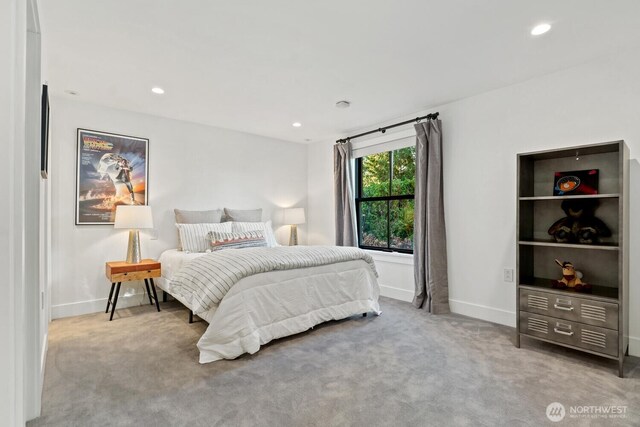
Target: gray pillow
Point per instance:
(198, 217)
(238, 215)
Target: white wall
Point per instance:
(595, 102)
(20, 316)
(12, 60)
(35, 248)
(191, 166)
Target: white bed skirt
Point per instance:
(273, 305)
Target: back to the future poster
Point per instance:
(112, 170)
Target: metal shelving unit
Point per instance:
(596, 322)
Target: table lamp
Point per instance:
(293, 217)
(134, 218)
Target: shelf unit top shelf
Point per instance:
(601, 246)
(584, 196)
(583, 150)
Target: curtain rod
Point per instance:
(384, 129)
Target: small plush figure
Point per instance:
(580, 225)
(570, 278)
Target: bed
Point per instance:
(268, 304)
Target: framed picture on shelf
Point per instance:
(111, 170)
(576, 182)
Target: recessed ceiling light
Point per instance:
(343, 104)
(540, 29)
(157, 90)
(296, 124)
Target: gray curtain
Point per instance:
(343, 189)
(429, 236)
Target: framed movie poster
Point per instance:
(111, 170)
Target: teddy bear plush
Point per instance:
(570, 278)
(580, 225)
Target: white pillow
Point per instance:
(193, 237)
(265, 227)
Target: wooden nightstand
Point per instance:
(120, 271)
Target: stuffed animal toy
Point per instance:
(570, 278)
(580, 225)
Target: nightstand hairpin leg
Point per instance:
(155, 294)
(146, 284)
(113, 285)
(115, 301)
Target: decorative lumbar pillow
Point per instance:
(246, 239)
(250, 215)
(265, 227)
(194, 236)
(196, 217)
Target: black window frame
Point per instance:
(359, 199)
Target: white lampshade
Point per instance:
(294, 216)
(133, 217)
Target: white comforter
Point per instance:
(205, 281)
(266, 306)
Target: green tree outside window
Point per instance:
(386, 184)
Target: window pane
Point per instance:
(404, 171)
(373, 224)
(401, 226)
(375, 175)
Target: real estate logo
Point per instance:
(556, 412)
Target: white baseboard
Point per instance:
(490, 314)
(396, 293)
(98, 305)
(634, 346)
(483, 312)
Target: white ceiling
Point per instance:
(258, 66)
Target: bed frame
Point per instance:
(164, 299)
(191, 314)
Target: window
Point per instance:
(384, 200)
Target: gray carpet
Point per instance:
(402, 368)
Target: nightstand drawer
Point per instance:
(135, 275)
(583, 310)
(575, 334)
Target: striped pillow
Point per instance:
(193, 237)
(196, 217)
(265, 227)
(247, 239)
